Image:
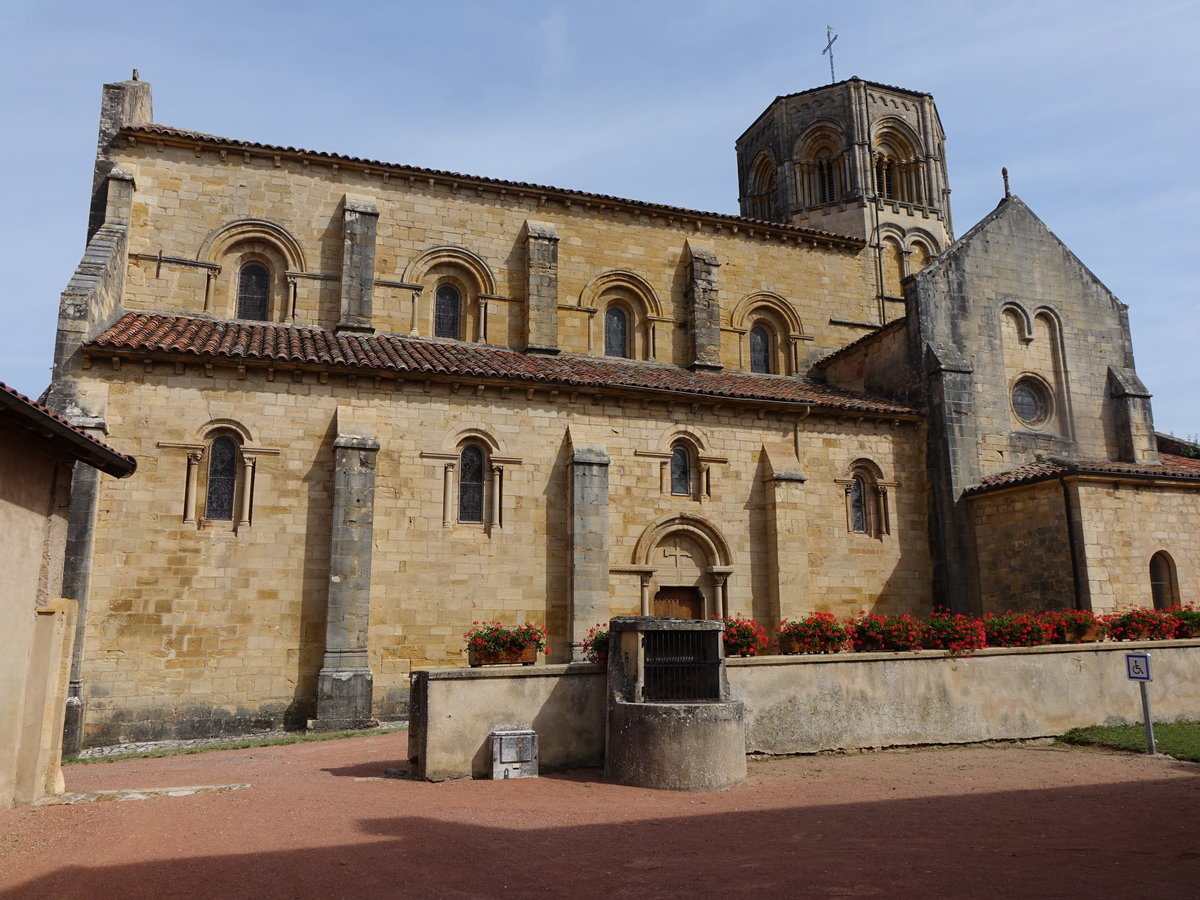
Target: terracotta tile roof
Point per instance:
(34, 417)
(267, 343)
(186, 135)
(1170, 466)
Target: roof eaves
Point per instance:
(39, 420)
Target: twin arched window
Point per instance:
(616, 331)
(254, 292)
(447, 312)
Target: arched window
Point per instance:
(760, 200)
(761, 349)
(222, 476)
(826, 178)
(447, 315)
(470, 484)
(254, 292)
(681, 470)
(616, 332)
(1163, 586)
(866, 500)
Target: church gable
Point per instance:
(1048, 346)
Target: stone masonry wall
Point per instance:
(1123, 526)
(1024, 554)
(181, 199)
(211, 626)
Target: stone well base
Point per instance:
(675, 746)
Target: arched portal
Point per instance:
(685, 564)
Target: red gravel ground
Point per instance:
(319, 820)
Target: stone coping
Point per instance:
(898, 655)
(554, 670)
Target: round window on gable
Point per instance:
(1031, 402)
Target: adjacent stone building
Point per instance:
(375, 403)
(38, 451)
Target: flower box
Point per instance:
(522, 656)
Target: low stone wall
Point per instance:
(805, 704)
(452, 713)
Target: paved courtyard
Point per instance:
(325, 820)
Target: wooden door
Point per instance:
(682, 602)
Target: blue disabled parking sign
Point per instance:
(1137, 666)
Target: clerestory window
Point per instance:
(254, 292)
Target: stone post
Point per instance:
(541, 288)
(360, 217)
(345, 680)
(704, 310)
(122, 103)
(589, 543)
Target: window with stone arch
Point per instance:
(616, 331)
(867, 500)
(472, 478)
(249, 279)
(454, 301)
(447, 314)
(770, 333)
(1164, 587)
(220, 490)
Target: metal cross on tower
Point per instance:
(831, 37)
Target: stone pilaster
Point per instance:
(345, 681)
(953, 466)
(541, 288)
(360, 217)
(589, 543)
(704, 309)
(787, 533)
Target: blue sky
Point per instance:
(1088, 104)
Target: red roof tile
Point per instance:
(266, 343)
(1169, 466)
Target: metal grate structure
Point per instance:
(681, 666)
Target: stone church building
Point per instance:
(372, 403)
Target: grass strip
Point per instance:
(244, 744)
(1178, 739)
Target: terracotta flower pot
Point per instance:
(524, 656)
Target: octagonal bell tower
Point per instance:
(856, 158)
